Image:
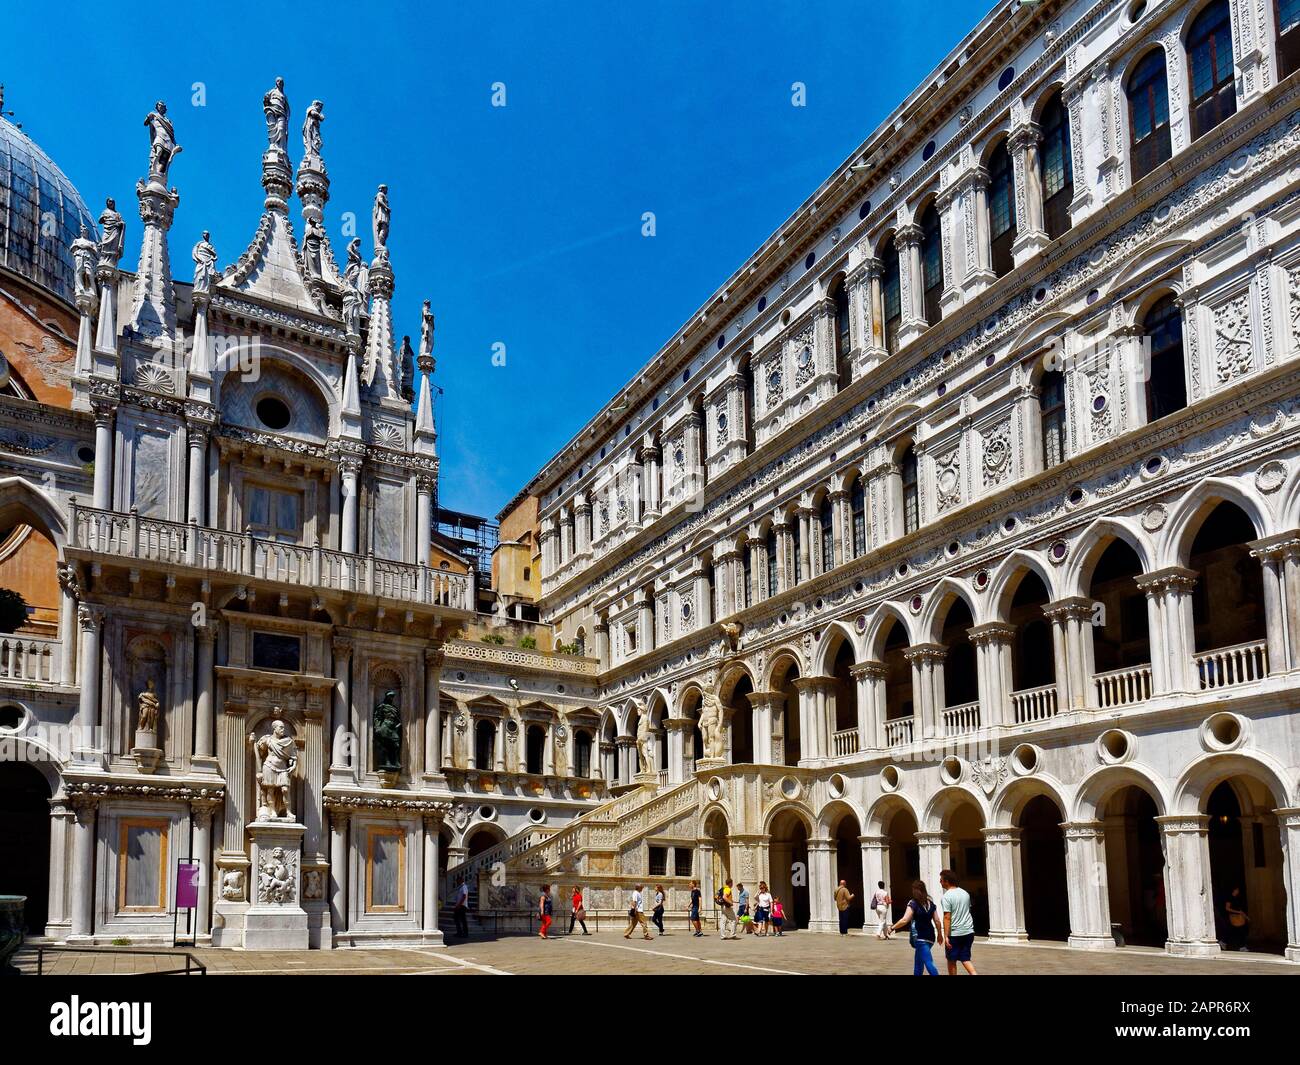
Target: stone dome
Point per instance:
(41, 213)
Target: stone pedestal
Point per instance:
(275, 919)
(651, 778)
(701, 764)
(146, 752)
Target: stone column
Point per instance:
(339, 818)
(582, 526)
(601, 629)
(204, 737)
(876, 350)
(1087, 885)
(913, 323)
(499, 743)
(821, 888)
(993, 642)
(784, 578)
(433, 659)
(566, 535)
(58, 920)
(945, 204)
(429, 899)
(1005, 885)
(927, 687)
(810, 730)
(349, 468)
(678, 769)
(1172, 628)
(424, 487)
(651, 457)
(1189, 894)
(805, 543)
(875, 868)
(83, 867)
(102, 493)
(979, 269)
(1277, 555)
(766, 707)
(1072, 638)
(1288, 820)
(198, 472)
(1031, 237)
(757, 547)
(341, 741)
(933, 847)
(870, 677)
(69, 631)
(201, 811)
(86, 736)
(703, 599)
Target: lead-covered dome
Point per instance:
(41, 213)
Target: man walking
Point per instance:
(695, 908)
(958, 926)
(636, 915)
(460, 910)
(843, 897)
(727, 926)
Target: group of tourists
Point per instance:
(740, 913)
(955, 931)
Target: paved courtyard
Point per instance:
(607, 953)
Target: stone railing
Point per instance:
(1120, 687)
(521, 657)
(899, 731)
(662, 807)
(34, 659)
(501, 852)
(243, 554)
(1225, 667)
(1034, 704)
(961, 719)
(844, 742)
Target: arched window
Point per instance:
(931, 263)
(773, 562)
(1148, 110)
(858, 507)
(826, 518)
(843, 341)
(911, 491)
(891, 294)
(1288, 37)
(796, 547)
(1057, 167)
(1166, 383)
(1209, 60)
(1002, 210)
(1051, 407)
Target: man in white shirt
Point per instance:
(958, 926)
(636, 915)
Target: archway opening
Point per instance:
(1228, 600)
(1246, 866)
(960, 680)
(786, 733)
(25, 839)
(788, 852)
(966, 859)
(742, 722)
(1135, 867)
(845, 688)
(898, 681)
(1033, 661)
(1042, 869)
(1121, 638)
(848, 866)
(480, 840)
(904, 859)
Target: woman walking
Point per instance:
(658, 913)
(762, 909)
(922, 929)
(880, 903)
(577, 912)
(544, 909)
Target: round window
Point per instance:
(774, 380)
(272, 412)
(11, 717)
(86, 454)
(805, 356)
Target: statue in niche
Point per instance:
(147, 709)
(386, 723)
(162, 142)
(276, 106)
(112, 239)
(205, 264)
(711, 725)
(276, 756)
(643, 738)
(311, 139)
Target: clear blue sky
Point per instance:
(522, 224)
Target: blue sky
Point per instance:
(521, 223)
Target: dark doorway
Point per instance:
(25, 840)
(1042, 858)
(848, 867)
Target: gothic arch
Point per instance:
(1089, 548)
(938, 602)
(939, 810)
(872, 641)
(1099, 785)
(731, 676)
(1193, 508)
(1007, 578)
(780, 657)
(828, 647)
(19, 496)
(1209, 770)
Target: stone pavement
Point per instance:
(607, 953)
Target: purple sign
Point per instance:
(187, 885)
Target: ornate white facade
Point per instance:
(986, 536)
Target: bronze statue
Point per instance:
(387, 725)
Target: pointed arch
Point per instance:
(1192, 510)
(873, 639)
(1007, 577)
(833, 636)
(18, 496)
(938, 603)
(1089, 548)
(781, 658)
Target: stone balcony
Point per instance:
(130, 537)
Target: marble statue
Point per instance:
(643, 738)
(276, 106)
(711, 726)
(380, 218)
(386, 722)
(205, 265)
(406, 368)
(276, 756)
(275, 876)
(426, 338)
(85, 254)
(311, 138)
(352, 304)
(313, 243)
(356, 274)
(731, 633)
(147, 709)
(112, 240)
(162, 142)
